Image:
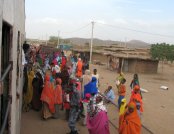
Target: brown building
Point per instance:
(132, 60)
(121, 58)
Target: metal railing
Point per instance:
(9, 99)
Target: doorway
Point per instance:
(5, 57)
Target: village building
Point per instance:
(118, 58)
(12, 37)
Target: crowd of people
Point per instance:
(54, 82)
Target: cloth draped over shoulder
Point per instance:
(137, 97)
(130, 123)
(47, 95)
(58, 92)
(98, 124)
(29, 94)
(91, 87)
(79, 68)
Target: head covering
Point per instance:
(123, 106)
(88, 95)
(59, 81)
(136, 88)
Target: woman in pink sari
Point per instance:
(97, 119)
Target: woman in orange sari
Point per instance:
(47, 97)
(136, 97)
(79, 68)
(58, 97)
(129, 122)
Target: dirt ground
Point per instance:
(158, 113)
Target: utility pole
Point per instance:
(46, 40)
(58, 39)
(91, 41)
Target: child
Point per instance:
(121, 91)
(96, 75)
(85, 104)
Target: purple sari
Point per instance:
(98, 124)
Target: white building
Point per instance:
(12, 36)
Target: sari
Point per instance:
(79, 68)
(37, 90)
(129, 123)
(98, 123)
(29, 94)
(58, 97)
(123, 106)
(47, 97)
(91, 87)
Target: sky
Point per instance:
(151, 21)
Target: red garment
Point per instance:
(122, 90)
(130, 123)
(48, 94)
(66, 101)
(63, 61)
(58, 92)
(136, 97)
(79, 68)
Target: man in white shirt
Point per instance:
(96, 75)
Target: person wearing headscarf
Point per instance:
(37, 90)
(29, 94)
(136, 97)
(91, 87)
(58, 97)
(85, 80)
(79, 68)
(85, 104)
(134, 82)
(97, 119)
(123, 106)
(129, 122)
(48, 99)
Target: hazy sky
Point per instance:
(71, 18)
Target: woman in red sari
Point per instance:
(47, 97)
(129, 122)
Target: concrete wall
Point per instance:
(1, 6)
(142, 66)
(14, 14)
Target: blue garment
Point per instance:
(91, 87)
(110, 95)
(119, 100)
(51, 79)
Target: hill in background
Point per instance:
(99, 42)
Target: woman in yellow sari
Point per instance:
(29, 94)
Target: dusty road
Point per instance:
(158, 113)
